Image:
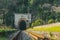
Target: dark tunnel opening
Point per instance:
(22, 25)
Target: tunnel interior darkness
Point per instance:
(22, 25)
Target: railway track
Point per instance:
(36, 36)
(26, 35)
(29, 35)
(15, 36)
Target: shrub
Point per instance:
(51, 21)
(6, 31)
(37, 22)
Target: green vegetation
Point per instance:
(41, 9)
(37, 22)
(51, 21)
(5, 32)
(7, 28)
(3, 38)
(47, 29)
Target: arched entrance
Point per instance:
(22, 25)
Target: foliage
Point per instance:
(38, 8)
(1, 17)
(5, 34)
(51, 21)
(37, 22)
(6, 29)
(33, 24)
(3, 38)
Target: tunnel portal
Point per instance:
(22, 25)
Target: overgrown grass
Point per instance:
(3, 38)
(48, 29)
(5, 32)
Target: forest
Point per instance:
(42, 11)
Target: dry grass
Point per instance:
(49, 29)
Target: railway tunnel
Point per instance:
(22, 25)
(24, 19)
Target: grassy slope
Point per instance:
(3, 38)
(49, 29)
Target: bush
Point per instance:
(37, 22)
(33, 24)
(6, 31)
(51, 21)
